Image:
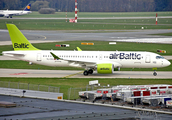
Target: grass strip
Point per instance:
(101, 46)
(35, 14)
(107, 24)
(164, 34)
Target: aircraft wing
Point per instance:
(56, 57)
(5, 15)
(16, 13)
(2, 14)
(76, 63)
(82, 63)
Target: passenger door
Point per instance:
(39, 58)
(147, 59)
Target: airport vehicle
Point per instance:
(103, 62)
(9, 13)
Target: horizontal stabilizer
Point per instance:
(12, 54)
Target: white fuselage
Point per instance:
(8, 13)
(89, 59)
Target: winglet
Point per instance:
(78, 49)
(55, 57)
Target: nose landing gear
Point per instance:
(155, 73)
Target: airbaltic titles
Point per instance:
(22, 45)
(125, 56)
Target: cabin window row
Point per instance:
(69, 56)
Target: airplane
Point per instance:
(9, 13)
(103, 62)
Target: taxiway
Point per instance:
(79, 74)
(82, 35)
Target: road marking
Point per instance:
(19, 74)
(71, 75)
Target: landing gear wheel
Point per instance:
(155, 74)
(85, 72)
(90, 71)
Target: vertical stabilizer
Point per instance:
(19, 41)
(28, 7)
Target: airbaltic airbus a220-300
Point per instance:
(103, 62)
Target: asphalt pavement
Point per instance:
(82, 35)
(41, 109)
(79, 74)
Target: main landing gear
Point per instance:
(90, 71)
(155, 73)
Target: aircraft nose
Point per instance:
(167, 63)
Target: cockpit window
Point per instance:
(159, 57)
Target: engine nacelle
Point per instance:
(105, 68)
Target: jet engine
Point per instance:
(105, 68)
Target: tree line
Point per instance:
(91, 5)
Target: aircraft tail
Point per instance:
(28, 7)
(19, 41)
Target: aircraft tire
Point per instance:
(155, 74)
(90, 71)
(85, 72)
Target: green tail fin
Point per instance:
(19, 41)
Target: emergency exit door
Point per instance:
(100, 57)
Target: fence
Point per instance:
(73, 92)
(28, 86)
